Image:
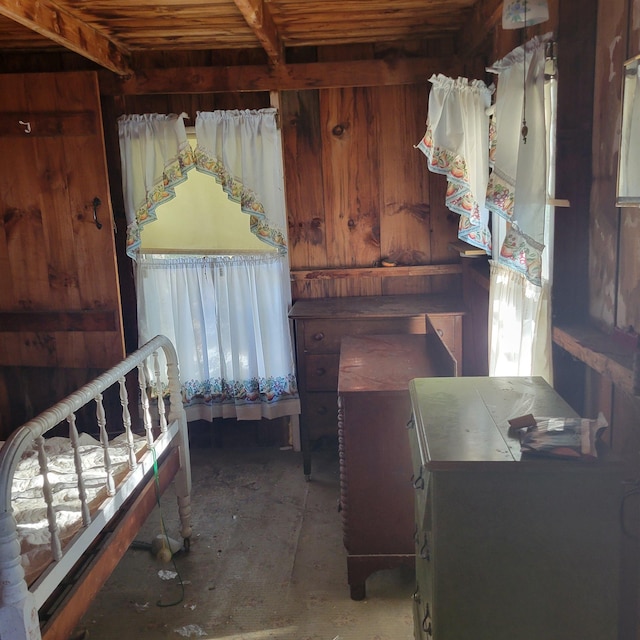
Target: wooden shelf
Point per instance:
(466, 250)
(376, 272)
(599, 351)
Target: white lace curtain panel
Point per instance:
(155, 156)
(519, 294)
(517, 187)
(456, 144)
(226, 316)
(491, 171)
(242, 151)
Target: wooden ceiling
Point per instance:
(112, 32)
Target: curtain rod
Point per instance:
(209, 252)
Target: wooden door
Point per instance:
(59, 293)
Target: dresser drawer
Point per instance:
(321, 371)
(324, 335)
(320, 412)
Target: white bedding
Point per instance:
(29, 507)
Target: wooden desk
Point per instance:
(508, 548)
(321, 323)
(376, 496)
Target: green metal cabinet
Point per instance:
(508, 548)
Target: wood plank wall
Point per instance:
(614, 233)
(614, 253)
(358, 192)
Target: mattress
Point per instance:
(29, 506)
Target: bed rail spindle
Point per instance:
(77, 461)
(18, 611)
(104, 439)
(126, 421)
(56, 548)
(159, 394)
(144, 399)
(176, 406)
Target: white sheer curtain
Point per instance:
(519, 300)
(519, 327)
(227, 317)
(155, 156)
(456, 144)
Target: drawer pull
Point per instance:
(426, 622)
(411, 424)
(318, 336)
(416, 594)
(418, 483)
(440, 332)
(320, 371)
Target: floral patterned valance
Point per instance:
(517, 187)
(456, 144)
(155, 156)
(241, 149)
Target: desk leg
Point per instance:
(294, 431)
(305, 448)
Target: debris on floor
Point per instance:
(167, 575)
(191, 630)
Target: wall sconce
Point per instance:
(518, 14)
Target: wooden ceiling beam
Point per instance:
(259, 18)
(49, 20)
(284, 77)
(486, 16)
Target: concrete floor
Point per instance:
(266, 561)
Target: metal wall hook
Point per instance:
(96, 203)
(26, 125)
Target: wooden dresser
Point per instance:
(321, 323)
(508, 547)
(376, 495)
